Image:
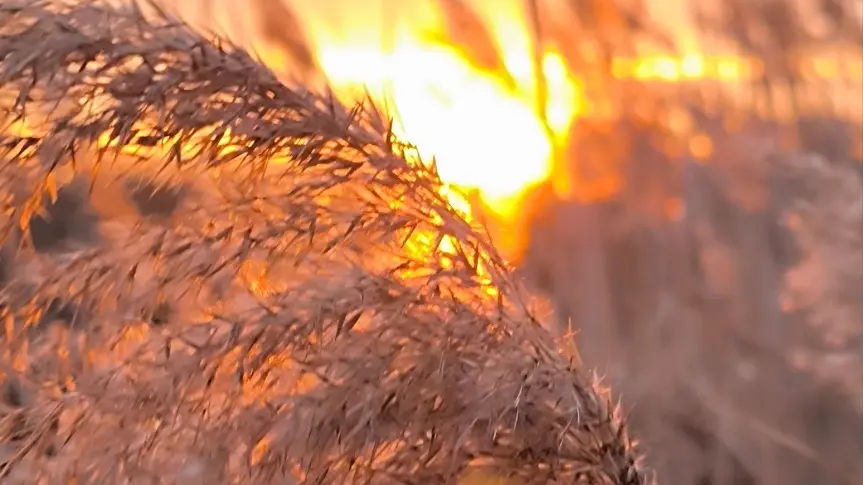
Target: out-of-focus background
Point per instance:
(682, 179)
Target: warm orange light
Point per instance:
(483, 136)
(692, 66)
(564, 96)
(486, 136)
(485, 132)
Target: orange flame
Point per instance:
(481, 128)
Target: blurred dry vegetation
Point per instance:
(179, 310)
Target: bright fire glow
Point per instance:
(481, 136)
(485, 134)
(486, 137)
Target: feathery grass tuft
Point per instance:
(281, 326)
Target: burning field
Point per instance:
(295, 253)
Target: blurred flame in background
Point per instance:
(460, 79)
(470, 105)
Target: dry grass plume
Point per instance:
(272, 326)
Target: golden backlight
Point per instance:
(485, 135)
(476, 115)
(483, 130)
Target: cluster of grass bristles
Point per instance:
(271, 327)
